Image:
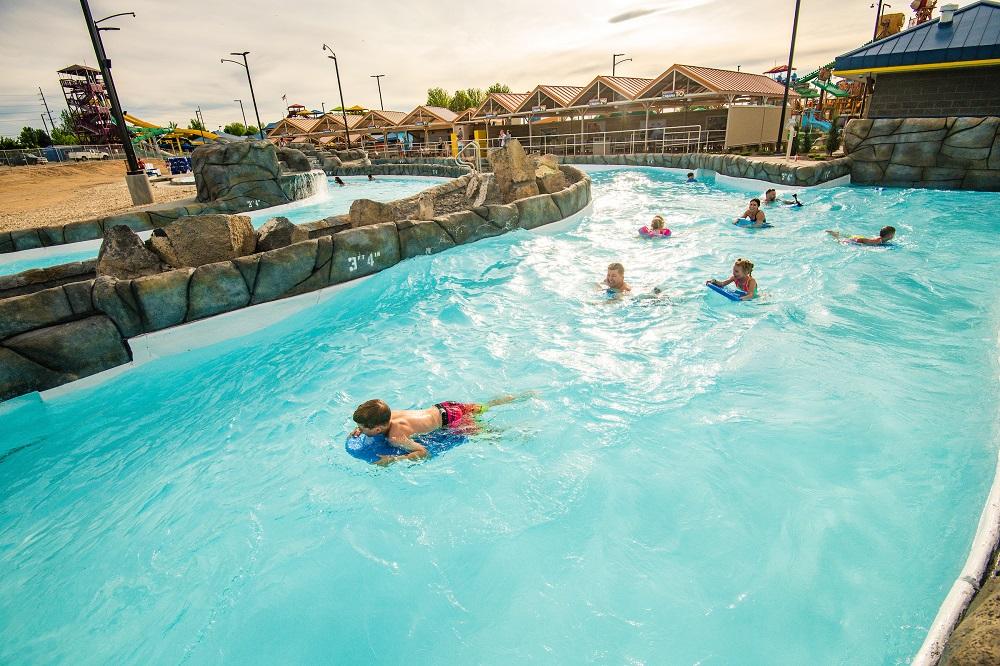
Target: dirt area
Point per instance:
(47, 194)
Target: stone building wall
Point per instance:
(973, 91)
(944, 153)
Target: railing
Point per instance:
(477, 152)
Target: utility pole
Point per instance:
(46, 105)
(135, 178)
(788, 77)
(245, 65)
(42, 116)
(378, 81)
(242, 112)
(343, 110)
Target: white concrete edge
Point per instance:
(952, 609)
(565, 223)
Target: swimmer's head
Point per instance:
(770, 195)
(373, 417)
(754, 203)
(690, 174)
(742, 268)
(616, 276)
(887, 233)
(657, 222)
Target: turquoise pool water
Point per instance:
(337, 201)
(789, 481)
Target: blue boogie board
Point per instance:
(731, 294)
(364, 447)
(748, 224)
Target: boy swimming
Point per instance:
(885, 235)
(741, 279)
(691, 178)
(375, 418)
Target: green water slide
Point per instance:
(830, 88)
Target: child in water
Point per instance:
(656, 228)
(754, 214)
(615, 281)
(375, 418)
(691, 178)
(741, 279)
(885, 235)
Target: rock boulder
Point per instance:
(295, 159)
(123, 255)
(513, 172)
(547, 174)
(279, 232)
(204, 239)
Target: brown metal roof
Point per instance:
(447, 115)
(509, 101)
(728, 81)
(628, 85)
(393, 117)
(73, 69)
(562, 94)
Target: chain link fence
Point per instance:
(66, 154)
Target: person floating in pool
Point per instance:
(615, 281)
(371, 176)
(375, 418)
(885, 235)
(656, 227)
(691, 178)
(338, 180)
(741, 279)
(771, 197)
(754, 214)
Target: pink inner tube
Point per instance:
(654, 233)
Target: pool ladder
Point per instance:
(478, 156)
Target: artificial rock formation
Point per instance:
(976, 640)
(514, 172)
(548, 176)
(279, 232)
(943, 153)
(204, 239)
(124, 256)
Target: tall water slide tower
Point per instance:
(88, 104)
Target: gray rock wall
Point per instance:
(57, 335)
(943, 153)
(729, 165)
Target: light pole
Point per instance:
(788, 77)
(343, 111)
(253, 98)
(878, 16)
(242, 112)
(615, 61)
(378, 81)
(135, 178)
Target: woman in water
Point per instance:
(741, 279)
(754, 214)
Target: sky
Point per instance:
(165, 61)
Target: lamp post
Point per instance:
(878, 16)
(378, 81)
(788, 77)
(135, 178)
(615, 61)
(253, 98)
(242, 112)
(343, 111)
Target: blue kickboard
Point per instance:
(731, 294)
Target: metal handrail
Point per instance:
(478, 153)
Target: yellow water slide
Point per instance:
(178, 131)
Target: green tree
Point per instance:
(498, 88)
(236, 129)
(196, 124)
(469, 98)
(7, 143)
(438, 97)
(33, 138)
(833, 137)
(251, 131)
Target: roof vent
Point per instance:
(947, 14)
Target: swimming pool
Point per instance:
(336, 201)
(789, 481)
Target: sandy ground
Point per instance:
(47, 194)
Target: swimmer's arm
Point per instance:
(833, 234)
(416, 451)
(868, 241)
(719, 284)
(751, 290)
